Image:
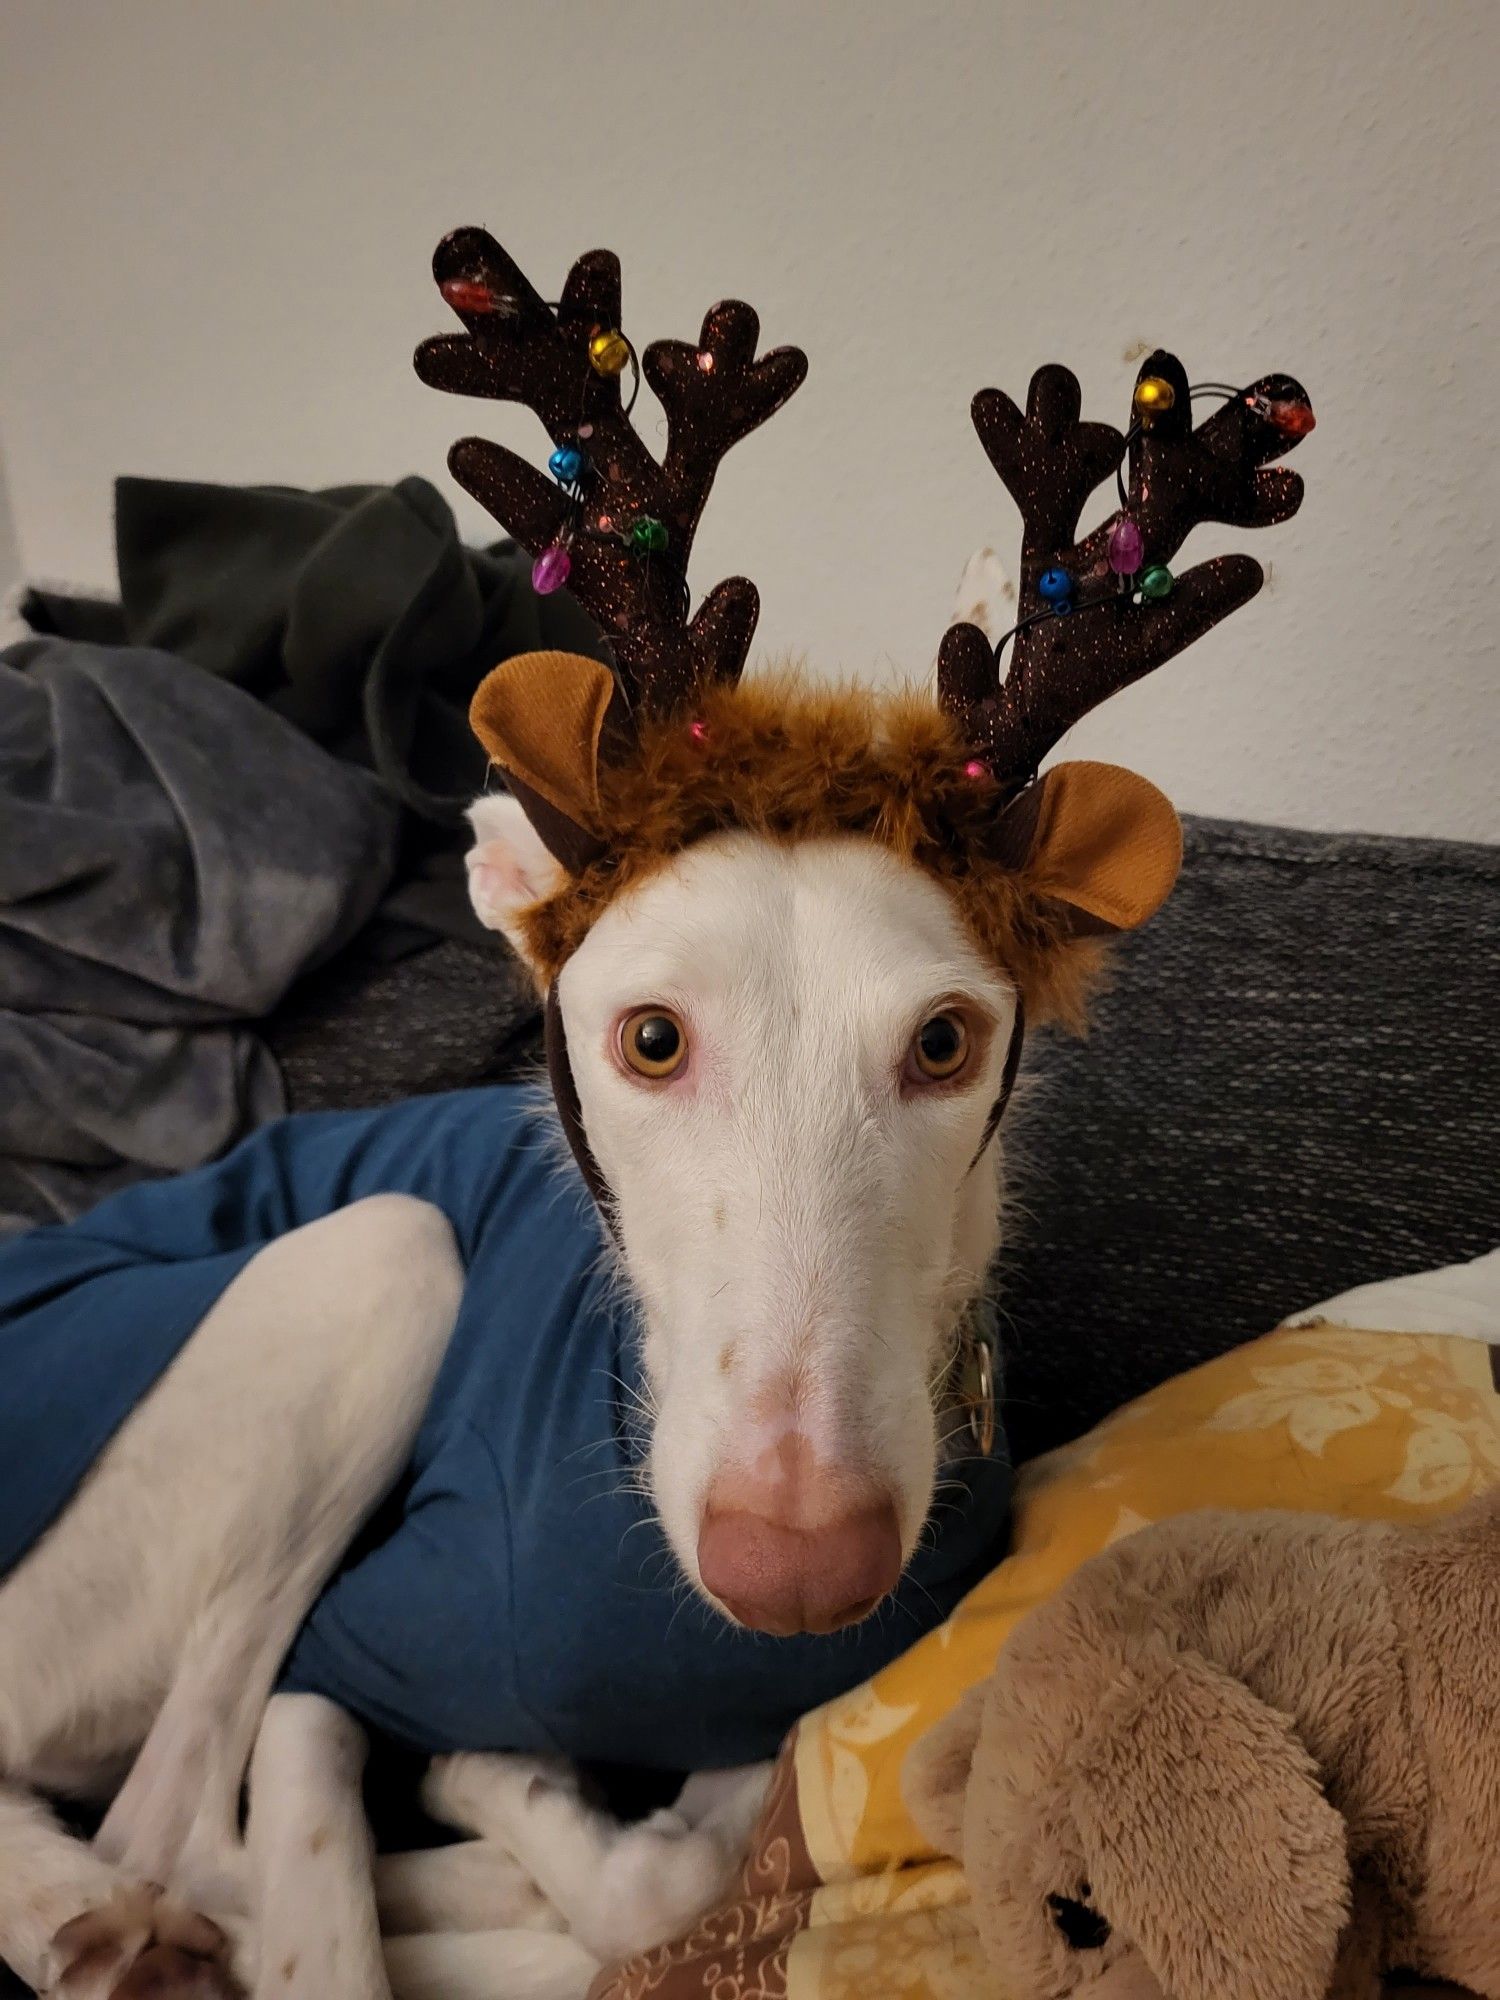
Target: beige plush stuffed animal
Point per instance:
(1238, 1757)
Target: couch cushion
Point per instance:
(1292, 1086)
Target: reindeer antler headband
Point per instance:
(618, 771)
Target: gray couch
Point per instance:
(1292, 1087)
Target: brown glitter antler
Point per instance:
(1116, 630)
(520, 349)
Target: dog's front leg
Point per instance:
(311, 1857)
(490, 1965)
(72, 1927)
(474, 1885)
(618, 1889)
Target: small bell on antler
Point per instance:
(609, 351)
(648, 536)
(1154, 396)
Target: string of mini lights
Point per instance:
(610, 353)
(1125, 551)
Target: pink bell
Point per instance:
(551, 570)
(1126, 548)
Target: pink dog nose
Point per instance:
(791, 1544)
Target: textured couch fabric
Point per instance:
(1292, 1086)
(361, 1034)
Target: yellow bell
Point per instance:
(1154, 396)
(609, 351)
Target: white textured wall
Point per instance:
(218, 218)
(10, 546)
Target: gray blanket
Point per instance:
(205, 790)
(173, 855)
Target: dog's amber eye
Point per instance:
(940, 1047)
(1082, 1928)
(653, 1042)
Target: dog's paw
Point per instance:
(486, 1792)
(141, 1946)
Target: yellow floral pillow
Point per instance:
(841, 1899)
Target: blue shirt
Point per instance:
(515, 1592)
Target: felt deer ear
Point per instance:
(935, 1778)
(1206, 1836)
(541, 717)
(1097, 839)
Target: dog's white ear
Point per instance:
(509, 868)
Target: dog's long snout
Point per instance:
(789, 1543)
